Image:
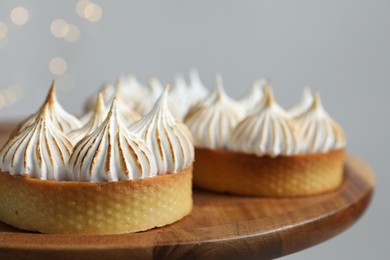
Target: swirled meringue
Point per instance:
(319, 132)
(111, 153)
(254, 96)
(107, 90)
(169, 140)
(61, 119)
(303, 104)
(133, 92)
(269, 131)
(179, 98)
(40, 150)
(154, 90)
(127, 114)
(95, 120)
(197, 91)
(212, 120)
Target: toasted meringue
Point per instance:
(269, 131)
(254, 96)
(111, 153)
(303, 104)
(40, 150)
(154, 90)
(61, 119)
(133, 91)
(95, 120)
(169, 140)
(197, 91)
(319, 132)
(107, 90)
(212, 120)
(179, 98)
(128, 115)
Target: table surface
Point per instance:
(220, 226)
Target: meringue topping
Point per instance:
(111, 153)
(128, 115)
(179, 98)
(169, 140)
(40, 150)
(107, 90)
(212, 120)
(133, 92)
(197, 91)
(303, 104)
(96, 118)
(154, 90)
(269, 131)
(319, 132)
(61, 119)
(253, 98)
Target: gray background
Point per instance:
(339, 47)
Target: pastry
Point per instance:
(107, 183)
(266, 155)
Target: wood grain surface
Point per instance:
(220, 226)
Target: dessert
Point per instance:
(109, 182)
(212, 120)
(269, 153)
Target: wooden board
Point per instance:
(220, 226)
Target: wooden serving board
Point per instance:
(219, 227)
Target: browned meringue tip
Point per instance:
(99, 105)
(51, 95)
(268, 95)
(316, 100)
(167, 88)
(113, 109)
(220, 92)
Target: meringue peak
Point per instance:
(100, 107)
(127, 113)
(304, 103)
(319, 132)
(61, 119)
(220, 91)
(268, 96)
(40, 150)
(51, 95)
(96, 118)
(317, 101)
(113, 111)
(169, 139)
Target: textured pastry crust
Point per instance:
(283, 176)
(95, 208)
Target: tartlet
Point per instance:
(267, 152)
(107, 183)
